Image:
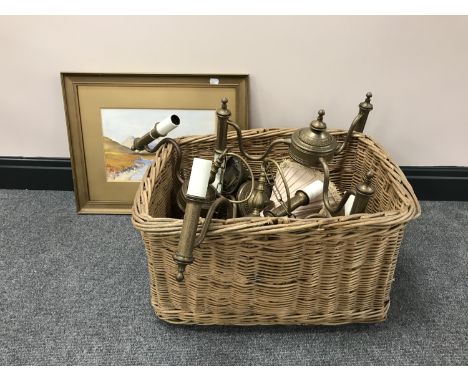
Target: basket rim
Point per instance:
(269, 225)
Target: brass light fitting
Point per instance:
(258, 199)
(196, 197)
(312, 147)
(302, 197)
(316, 147)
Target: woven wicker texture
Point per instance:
(264, 271)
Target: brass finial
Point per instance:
(366, 106)
(318, 124)
(364, 192)
(259, 198)
(366, 186)
(180, 272)
(223, 111)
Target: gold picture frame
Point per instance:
(88, 95)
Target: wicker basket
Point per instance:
(266, 271)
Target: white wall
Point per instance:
(417, 68)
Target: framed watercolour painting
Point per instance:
(106, 112)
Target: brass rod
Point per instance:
(326, 182)
(209, 216)
(236, 127)
(349, 135)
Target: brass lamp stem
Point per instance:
(218, 163)
(364, 192)
(364, 109)
(209, 216)
(141, 143)
(343, 146)
(286, 141)
(160, 129)
(224, 122)
(298, 200)
(333, 210)
(184, 254)
(358, 123)
(223, 115)
(188, 239)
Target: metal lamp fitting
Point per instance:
(223, 115)
(259, 198)
(181, 199)
(364, 192)
(184, 254)
(315, 147)
(196, 196)
(311, 145)
(364, 109)
(160, 129)
(303, 197)
(298, 200)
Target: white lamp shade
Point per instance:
(199, 178)
(314, 190)
(167, 125)
(348, 205)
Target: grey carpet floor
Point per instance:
(74, 291)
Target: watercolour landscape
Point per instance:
(121, 126)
